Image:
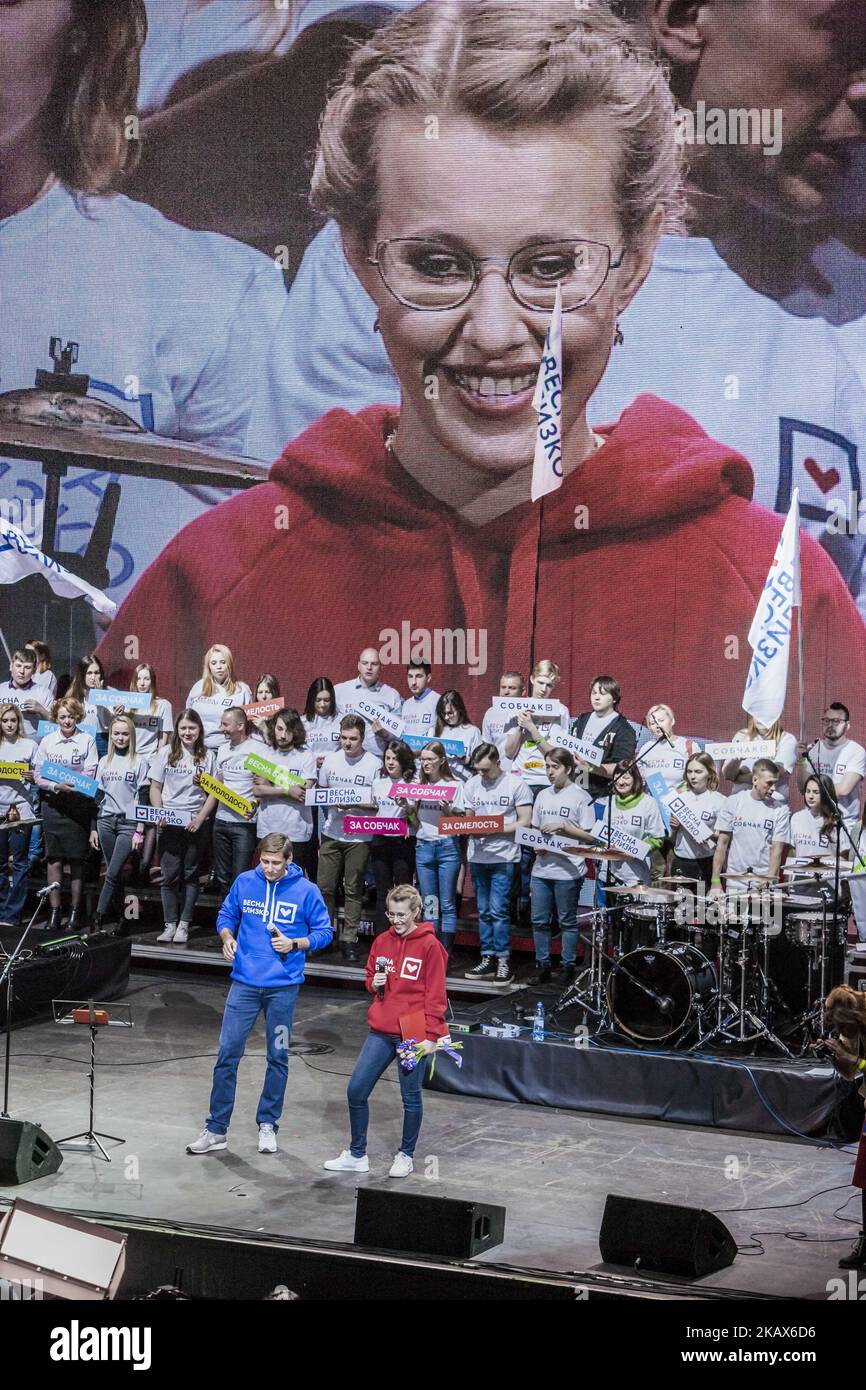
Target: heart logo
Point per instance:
(825, 478)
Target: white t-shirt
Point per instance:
(707, 805)
(323, 734)
(12, 792)
(429, 813)
(49, 680)
(596, 725)
(571, 804)
(357, 774)
(419, 714)
(500, 798)
(493, 726)
(641, 819)
(172, 327)
(470, 736)
(284, 814)
(528, 761)
(386, 809)
(807, 838)
(383, 696)
(120, 779)
(16, 695)
(229, 769)
(785, 757)
(754, 826)
(670, 762)
(837, 763)
(211, 708)
(179, 792)
(78, 753)
(149, 726)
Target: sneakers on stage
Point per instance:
(504, 974)
(857, 1257)
(483, 970)
(181, 936)
(541, 975)
(267, 1139)
(347, 1163)
(169, 933)
(207, 1143)
(401, 1167)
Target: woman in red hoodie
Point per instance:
(406, 976)
(478, 156)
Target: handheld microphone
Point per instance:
(381, 962)
(43, 892)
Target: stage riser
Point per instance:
(100, 971)
(676, 1088)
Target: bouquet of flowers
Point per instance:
(411, 1051)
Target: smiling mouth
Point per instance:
(492, 388)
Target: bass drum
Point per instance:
(655, 994)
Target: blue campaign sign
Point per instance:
(128, 699)
(45, 727)
(658, 790)
(454, 747)
(59, 772)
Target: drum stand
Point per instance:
(737, 1021)
(588, 991)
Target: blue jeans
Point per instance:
(243, 1006)
(13, 891)
(565, 893)
(375, 1057)
(437, 865)
(115, 840)
(492, 892)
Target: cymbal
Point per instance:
(678, 878)
(643, 890)
(133, 452)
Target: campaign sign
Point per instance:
(337, 796)
(552, 844)
(129, 699)
(59, 772)
(658, 790)
(755, 748)
(423, 791)
(577, 746)
(15, 771)
(233, 800)
(454, 747)
(265, 708)
(471, 825)
(392, 722)
(160, 815)
(619, 839)
(45, 727)
(374, 825)
(543, 709)
(688, 819)
(280, 776)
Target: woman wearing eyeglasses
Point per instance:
(478, 157)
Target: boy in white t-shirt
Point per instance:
(493, 792)
(752, 830)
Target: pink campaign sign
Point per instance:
(374, 825)
(423, 791)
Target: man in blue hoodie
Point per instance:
(270, 919)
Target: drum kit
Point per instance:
(670, 966)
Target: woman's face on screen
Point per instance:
(468, 373)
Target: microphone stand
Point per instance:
(6, 977)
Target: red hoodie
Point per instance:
(652, 557)
(416, 983)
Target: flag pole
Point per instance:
(800, 673)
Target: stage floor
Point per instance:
(552, 1169)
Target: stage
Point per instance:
(552, 1168)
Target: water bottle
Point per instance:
(538, 1023)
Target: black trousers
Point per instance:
(233, 845)
(393, 860)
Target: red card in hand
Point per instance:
(413, 1025)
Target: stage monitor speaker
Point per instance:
(422, 1225)
(664, 1238)
(26, 1153)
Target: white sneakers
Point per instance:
(346, 1163)
(178, 932)
(207, 1143)
(267, 1139)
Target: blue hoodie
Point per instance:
(293, 905)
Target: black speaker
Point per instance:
(665, 1238)
(422, 1225)
(26, 1153)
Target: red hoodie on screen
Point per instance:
(416, 982)
(652, 556)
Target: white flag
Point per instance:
(20, 558)
(547, 401)
(770, 633)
